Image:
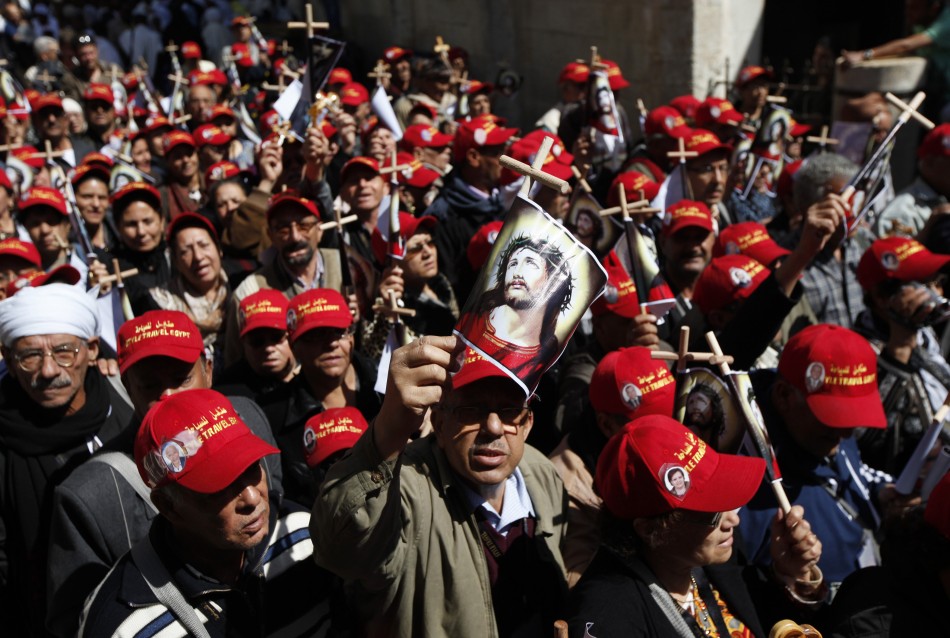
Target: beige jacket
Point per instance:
(583, 514)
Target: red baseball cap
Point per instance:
(241, 54)
(29, 156)
(196, 439)
(408, 226)
(158, 333)
(576, 72)
(936, 143)
(339, 75)
(157, 124)
(221, 110)
(633, 182)
(474, 368)
(394, 54)
(898, 259)
(665, 120)
(215, 77)
(750, 74)
(418, 175)
(293, 200)
(64, 274)
(637, 469)
(24, 250)
(98, 93)
(799, 129)
(264, 309)
(631, 383)
(424, 136)
(620, 293)
(702, 141)
(836, 370)
(751, 239)
(937, 512)
(331, 431)
(686, 213)
(557, 162)
(220, 171)
(210, 135)
(357, 162)
(5, 182)
(43, 196)
(47, 100)
(317, 308)
(191, 50)
(190, 220)
(726, 280)
(135, 192)
(176, 138)
(715, 110)
(480, 245)
(479, 132)
(268, 121)
(353, 94)
(241, 21)
(87, 171)
(686, 105)
(473, 87)
(614, 77)
(98, 159)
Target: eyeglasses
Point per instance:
(262, 338)
(284, 229)
(703, 519)
(32, 360)
(415, 249)
(326, 335)
(709, 169)
(512, 416)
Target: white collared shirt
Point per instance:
(515, 506)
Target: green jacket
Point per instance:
(415, 566)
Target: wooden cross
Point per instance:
(682, 154)
(641, 206)
(46, 78)
(580, 179)
(118, 275)
(534, 171)
(172, 47)
(683, 356)
(594, 57)
(285, 48)
(179, 120)
(909, 110)
(48, 155)
(442, 49)
(380, 72)
(392, 170)
(308, 24)
(339, 222)
(321, 104)
(392, 309)
(776, 99)
(283, 131)
(823, 139)
(178, 78)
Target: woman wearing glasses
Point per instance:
(664, 567)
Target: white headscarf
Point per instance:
(46, 310)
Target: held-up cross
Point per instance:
(282, 130)
(823, 139)
(118, 275)
(392, 309)
(308, 23)
(682, 154)
(46, 78)
(172, 47)
(910, 110)
(339, 222)
(48, 155)
(178, 78)
(683, 356)
(380, 72)
(534, 171)
(641, 206)
(442, 49)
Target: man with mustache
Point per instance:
(238, 562)
(293, 226)
(55, 410)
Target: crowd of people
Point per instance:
(232, 402)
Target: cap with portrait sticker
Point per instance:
(330, 432)
(629, 382)
(620, 293)
(408, 226)
(576, 72)
(665, 120)
(686, 105)
(64, 274)
(898, 259)
(210, 135)
(424, 136)
(353, 94)
(936, 143)
(158, 333)
(98, 93)
(360, 161)
(656, 465)
(13, 247)
(557, 162)
(480, 245)
(715, 110)
(474, 368)
(937, 512)
(43, 196)
(684, 214)
(317, 308)
(176, 138)
(701, 141)
(196, 439)
(290, 199)
(633, 182)
(264, 309)
(751, 239)
(479, 132)
(614, 76)
(835, 369)
(135, 192)
(750, 74)
(339, 75)
(220, 171)
(190, 50)
(418, 175)
(394, 54)
(727, 280)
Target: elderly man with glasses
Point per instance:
(55, 411)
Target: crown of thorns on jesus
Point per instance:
(557, 264)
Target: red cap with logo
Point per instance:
(727, 280)
(937, 512)
(158, 333)
(26, 251)
(408, 226)
(43, 196)
(686, 105)
(133, 192)
(215, 77)
(898, 259)
(339, 75)
(633, 182)
(360, 161)
(394, 54)
(424, 136)
(190, 220)
(656, 465)
(620, 293)
(665, 120)
(29, 156)
(176, 138)
(715, 110)
(196, 439)
(480, 245)
(317, 308)
(210, 135)
(47, 100)
(221, 110)
(686, 213)
(330, 432)
(557, 162)
(751, 239)
(98, 159)
(264, 309)
(418, 175)
(576, 72)
(631, 383)
(98, 93)
(750, 74)
(936, 143)
(157, 124)
(353, 94)
(614, 76)
(87, 171)
(291, 199)
(190, 50)
(474, 368)
(241, 54)
(479, 132)
(220, 171)
(835, 369)
(702, 141)
(64, 274)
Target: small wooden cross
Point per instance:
(282, 130)
(118, 275)
(394, 168)
(776, 99)
(682, 154)
(909, 110)
(442, 49)
(641, 206)
(308, 23)
(48, 155)
(580, 179)
(594, 57)
(392, 309)
(339, 222)
(172, 47)
(285, 48)
(46, 78)
(683, 356)
(823, 139)
(178, 78)
(534, 171)
(380, 72)
(323, 103)
(179, 120)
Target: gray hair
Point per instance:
(43, 44)
(815, 177)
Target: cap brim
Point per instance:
(278, 323)
(838, 411)
(733, 483)
(213, 475)
(181, 353)
(924, 266)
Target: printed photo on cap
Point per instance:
(173, 456)
(814, 376)
(630, 395)
(675, 479)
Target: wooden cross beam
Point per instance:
(287, 72)
(682, 154)
(580, 179)
(392, 309)
(683, 357)
(179, 120)
(909, 110)
(308, 23)
(776, 99)
(118, 275)
(387, 170)
(179, 79)
(625, 208)
(48, 154)
(46, 78)
(594, 57)
(823, 139)
(380, 72)
(282, 130)
(172, 47)
(285, 48)
(534, 172)
(339, 222)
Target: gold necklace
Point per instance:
(704, 619)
